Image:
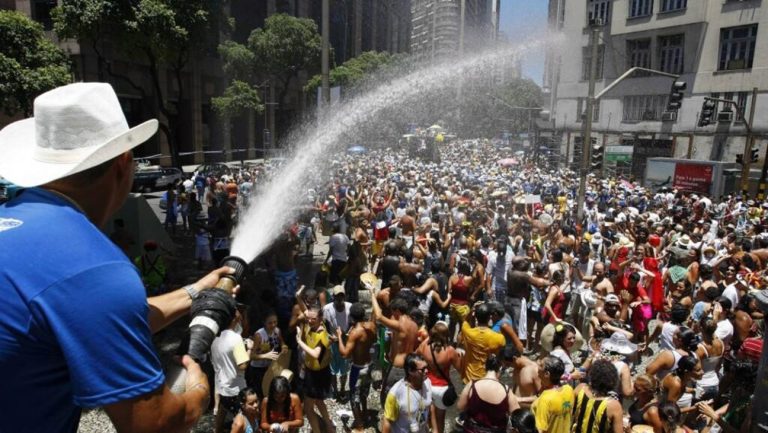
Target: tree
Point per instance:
(277, 52)
(30, 64)
(156, 34)
(352, 72)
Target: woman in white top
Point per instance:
(267, 345)
(710, 352)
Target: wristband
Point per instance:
(192, 291)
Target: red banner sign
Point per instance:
(693, 177)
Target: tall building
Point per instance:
(441, 28)
(356, 26)
(713, 45)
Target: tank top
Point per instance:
(636, 414)
(710, 366)
(558, 306)
(268, 344)
(661, 374)
(485, 417)
(460, 292)
(435, 377)
(590, 414)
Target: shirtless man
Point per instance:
(358, 343)
(525, 373)
(408, 222)
(403, 341)
(389, 293)
(600, 285)
(519, 283)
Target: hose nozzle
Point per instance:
(229, 281)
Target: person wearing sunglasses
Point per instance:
(408, 402)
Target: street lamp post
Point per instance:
(586, 141)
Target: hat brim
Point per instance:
(548, 336)
(19, 165)
(610, 346)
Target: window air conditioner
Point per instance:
(669, 116)
(725, 116)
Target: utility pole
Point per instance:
(747, 160)
(586, 142)
(325, 57)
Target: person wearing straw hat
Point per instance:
(75, 323)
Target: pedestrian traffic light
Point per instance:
(676, 96)
(596, 164)
(707, 111)
(753, 154)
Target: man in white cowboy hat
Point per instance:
(75, 323)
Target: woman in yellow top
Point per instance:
(314, 341)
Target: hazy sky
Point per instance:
(520, 19)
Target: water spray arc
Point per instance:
(280, 201)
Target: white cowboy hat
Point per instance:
(588, 298)
(618, 343)
(74, 128)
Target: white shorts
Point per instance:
(437, 396)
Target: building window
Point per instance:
(581, 110)
(639, 53)
(640, 8)
(737, 47)
(644, 107)
(741, 102)
(587, 62)
(671, 54)
(41, 12)
(599, 10)
(673, 5)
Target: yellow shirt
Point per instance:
(479, 342)
(553, 410)
(314, 339)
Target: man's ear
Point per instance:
(124, 163)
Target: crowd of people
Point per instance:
(488, 297)
(645, 315)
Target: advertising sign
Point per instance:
(693, 177)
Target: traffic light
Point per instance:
(739, 158)
(707, 111)
(596, 164)
(676, 96)
(753, 154)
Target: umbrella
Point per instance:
(435, 127)
(356, 149)
(506, 162)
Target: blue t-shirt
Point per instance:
(73, 318)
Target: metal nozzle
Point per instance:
(228, 282)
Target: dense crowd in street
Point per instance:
(642, 316)
(466, 287)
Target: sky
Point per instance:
(519, 19)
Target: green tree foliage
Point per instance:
(277, 52)
(30, 64)
(157, 34)
(353, 71)
(238, 97)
